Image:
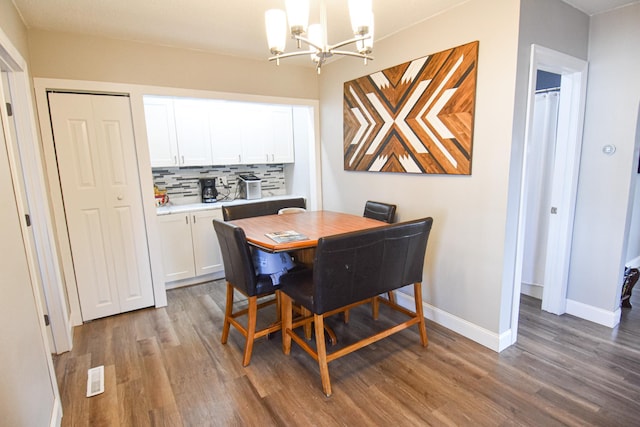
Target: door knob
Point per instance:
(120, 197)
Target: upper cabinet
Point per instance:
(192, 130)
(161, 131)
(203, 132)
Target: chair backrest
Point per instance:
(239, 269)
(380, 211)
(285, 211)
(269, 207)
(352, 267)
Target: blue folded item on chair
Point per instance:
(272, 264)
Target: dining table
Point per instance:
(301, 230)
(306, 228)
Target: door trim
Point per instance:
(570, 128)
(18, 75)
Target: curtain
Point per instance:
(540, 158)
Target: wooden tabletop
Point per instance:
(313, 225)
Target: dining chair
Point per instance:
(262, 208)
(381, 211)
(240, 275)
(349, 270)
(285, 211)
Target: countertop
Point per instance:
(192, 207)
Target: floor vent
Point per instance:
(95, 381)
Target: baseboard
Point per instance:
(597, 315)
(194, 280)
(534, 291)
(463, 327)
(634, 263)
(56, 414)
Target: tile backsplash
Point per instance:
(183, 187)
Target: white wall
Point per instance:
(463, 274)
(607, 183)
(76, 57)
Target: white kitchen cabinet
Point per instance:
(269, 136)
(206, 249)
(192, 131)
(189, 244)
(161, 131)
(177, 246)
(255, 133)
(204, 132)
(280, 144)
(225, 124)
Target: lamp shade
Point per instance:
(298, 15)
(361, 15)
(276, 26)
(316, 37)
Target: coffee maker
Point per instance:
(208, 190)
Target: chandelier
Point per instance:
(315, 36)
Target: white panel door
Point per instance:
(206, 249)
(161, 131)
(95, 150)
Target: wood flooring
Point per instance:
(166, 367)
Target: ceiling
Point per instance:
(231, 27)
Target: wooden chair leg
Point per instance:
(252, 315)
(228, 310)
(417, 292)
(346, 316)
(307, 328)
(375, 307)
(321, 349)
(391, 296)
(278, 306)
(287, 322)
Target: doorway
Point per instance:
(559, 205)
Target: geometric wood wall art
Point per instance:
(416, 117)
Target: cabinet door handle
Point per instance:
(186, 219)
(239, 158)
(175, 160)
(194, 219)
(267, 158)
(183, 160)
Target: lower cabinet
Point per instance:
(190, 245)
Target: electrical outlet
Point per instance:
(223, 180)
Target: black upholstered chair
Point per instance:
(350, 269)
(268, 207)
(240, 274)
(380, 211)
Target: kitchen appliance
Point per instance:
(249, 186)
(208, 190)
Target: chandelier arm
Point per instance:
(292, 54)
(309, 42)
(347, 42)
(348, 53)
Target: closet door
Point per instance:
(95, 150)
